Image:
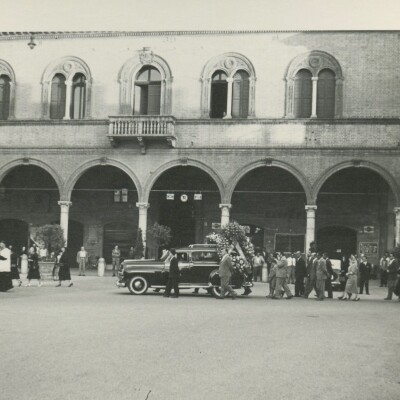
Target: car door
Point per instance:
(184, 267)
(203, 263)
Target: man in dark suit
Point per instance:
(328, 281)
(392, 270)
(300, 274)
(173, 277)
(225, 272)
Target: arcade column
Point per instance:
(310, 228)
(64, 205)
(143, 207)
(225, 213)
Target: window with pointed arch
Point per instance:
(147, 93)
(239, 107)
(5, 96)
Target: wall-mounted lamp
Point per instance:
(32, 43)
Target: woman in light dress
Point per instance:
(351, 284)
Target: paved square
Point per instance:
(93, 341)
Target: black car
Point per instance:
(198, 265)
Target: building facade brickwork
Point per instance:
(278, 163)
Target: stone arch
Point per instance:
(68, 66)
(314, 61)
(268, 163)
(179, 163)
(6, 69)
(230, 63)
(359, 164)
(70, 183)
(128, 72)
(5, 169)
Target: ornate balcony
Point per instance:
(142, 128)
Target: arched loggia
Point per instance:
(104, 200)
(186, 198)
(28, 199)
(270, 201)
(359, 197)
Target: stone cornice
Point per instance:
(206, 121)
(290, 121)
(97, 34)
(58, 122)
(360, 152)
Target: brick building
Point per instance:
(294, 134)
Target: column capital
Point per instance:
(229, 206)
(311, 207)
(396, 210)
(68, 83)
(65, 203)
(143, 206)
(229, 80)
(314, 78)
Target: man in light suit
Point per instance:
(281, 277)
(82, 258)
(225, 272)
(321, 275)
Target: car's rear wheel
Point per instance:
(138, 285)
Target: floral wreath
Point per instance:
(230, 236)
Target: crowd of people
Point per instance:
(312, 272)
(315, 272)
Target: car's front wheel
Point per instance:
(138, 285)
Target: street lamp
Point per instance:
(32, 43)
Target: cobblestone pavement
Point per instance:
(93, 341)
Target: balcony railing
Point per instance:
(142, 128)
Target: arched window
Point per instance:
(147, 94)
(314, 86)
(240, 95)
(326, 94)
(219, 94)
(58, 97)
(302, 94)
(78, 98)
(228, 87)
(67, 82)
(5, 94)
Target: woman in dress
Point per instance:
(33, 267)
(14, 267)
(64, 273)
(351, 284)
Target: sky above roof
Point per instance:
(158, 15)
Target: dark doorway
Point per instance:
(179, 216)
(185, 198)
(75, 241)
(118, 233)
(14, 232)
(256, 235)
(337, 241)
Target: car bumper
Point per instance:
(120, 283)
